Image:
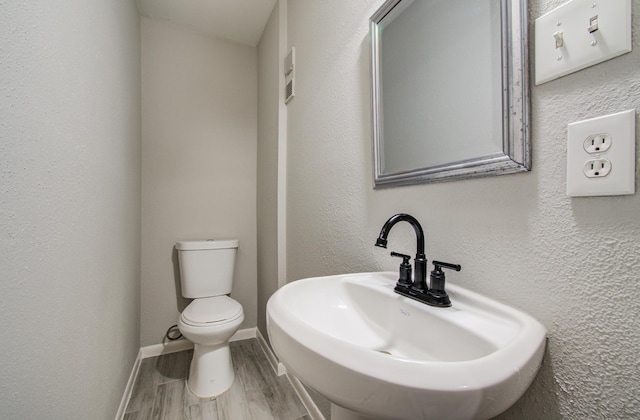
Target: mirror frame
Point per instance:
(516, 143)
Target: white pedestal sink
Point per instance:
(376, 354)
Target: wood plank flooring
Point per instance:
(257, 393)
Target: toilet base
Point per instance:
(211, 371)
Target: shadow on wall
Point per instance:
(181, 302)
(543, 394)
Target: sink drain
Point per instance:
(385, 352)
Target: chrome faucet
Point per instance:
(417, 289)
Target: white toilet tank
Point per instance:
(206, 267)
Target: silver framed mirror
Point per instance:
(450, 90)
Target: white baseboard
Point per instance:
(166, 348)
(280, 369)
(126, 396)
(244, 334)
(307, 401)
(184, 344)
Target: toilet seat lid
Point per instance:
(211, 310)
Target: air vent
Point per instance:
(289, 88)
(289, 75)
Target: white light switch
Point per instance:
(601, 155)
(579, 34)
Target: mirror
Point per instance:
(450, 90)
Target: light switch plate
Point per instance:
(601, 155)
(579, 34)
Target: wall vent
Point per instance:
(289, 75)
(289, 88)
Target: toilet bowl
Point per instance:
(209, 323)
(211, 319)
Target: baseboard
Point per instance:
(307, 401)
(166, 348)
(126, 396)
(280, 369)
(244, 334)
(184, 344)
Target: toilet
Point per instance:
(209, 321)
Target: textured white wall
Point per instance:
(572, 263)
(69, 206)
(199, 102)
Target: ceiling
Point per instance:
(240, 21)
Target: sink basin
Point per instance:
(376, 354)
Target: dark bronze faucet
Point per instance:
(417, 289)
(420, 261)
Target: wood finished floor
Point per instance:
(257, 393)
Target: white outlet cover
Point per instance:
(581, 48)
(621, 153)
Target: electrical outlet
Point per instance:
(601, 155)
(597, 143)
(597, 168)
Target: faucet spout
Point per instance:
(420, 260)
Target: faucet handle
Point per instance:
(438, 264)
(404, 257)
(405, 269)
(437, 276)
